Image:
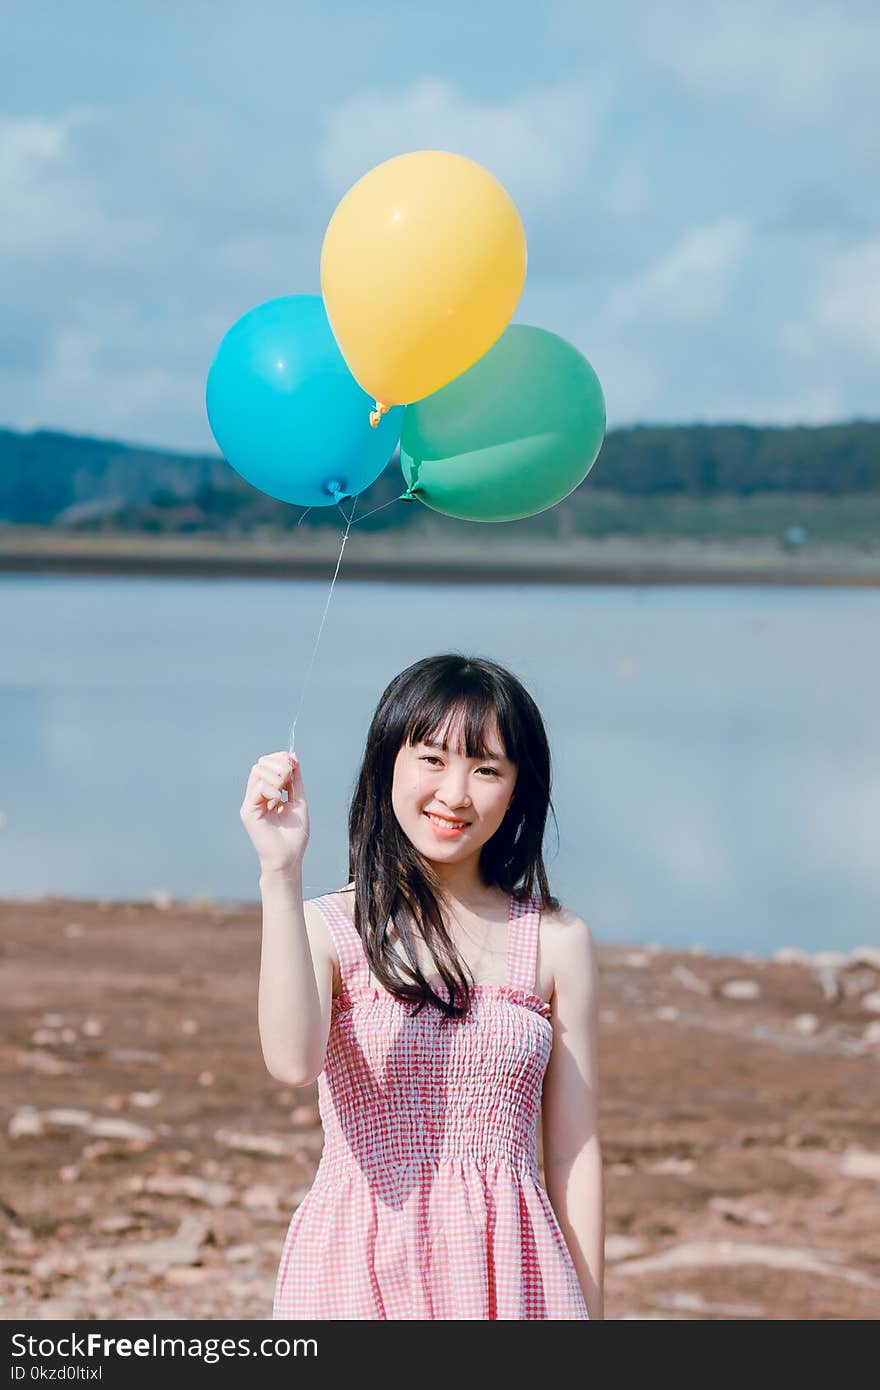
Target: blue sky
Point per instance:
(698, 183)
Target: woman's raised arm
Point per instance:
(296, 965)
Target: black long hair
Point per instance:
(392, 881)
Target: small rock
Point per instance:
(741, 989)
(136, 1055)
(190, 1026)
(872, 1032)
(833, 958)
(667, 1012)
(186, 1274)
(239, 1254)
(59, 1264)
(860, 1163)
(621, 1247)
(307, 1115)
(114, 1103)
(670, 1165)
(145, 1100)
(45, 1037)
(117, 1225)
(698, 949)
(269, 1144)
(805, 1024)
(829, 980)
(73, 931)
(213, 1194)
(101, 1148)
(636, 960)
(740, 1211)
(607, 1015)
(60, 1310)
(859, 979)
(162, 899)
(871, 1002)
(92, 1027)
(69, 1173)
(792, 955)
(26, 1124)
(261, 1197)
(690, 981)
(866, 955)
(120, 1129)
(52, 1020)
(68, 1119)
(184, 1247)
(68, 1035)
(45, 1063)
(206, 1078)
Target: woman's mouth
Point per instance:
(446, 829)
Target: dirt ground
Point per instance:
(150, 1164)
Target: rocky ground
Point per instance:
(150, 1165)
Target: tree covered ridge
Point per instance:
(48, 477)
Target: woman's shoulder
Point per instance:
(341, 898)
(336, 897)
(566, 936)
(320, 928)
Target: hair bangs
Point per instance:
(467, 718)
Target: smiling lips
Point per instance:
(444, 826)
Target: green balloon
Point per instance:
(511, 436)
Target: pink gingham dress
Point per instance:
(427, 1201)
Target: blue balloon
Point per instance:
(286, 411)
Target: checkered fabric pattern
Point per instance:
(427, 1201)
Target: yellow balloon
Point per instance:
(422, 266)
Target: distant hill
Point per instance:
(646, 478)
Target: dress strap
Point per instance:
(523, 936)
(353, 963)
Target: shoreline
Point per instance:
(161, 901)
(407, 559)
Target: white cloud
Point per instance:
(691, 283)
(537, 144)
(794, 62)
(51, 201)
(847, 305)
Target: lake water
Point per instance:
(716, 750)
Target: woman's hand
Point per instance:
(279, 830)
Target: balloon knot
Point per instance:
(376, 415)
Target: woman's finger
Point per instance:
(279, 762)
(272, 775)
(259, 789)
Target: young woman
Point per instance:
(442, 1000)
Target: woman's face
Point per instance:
(447, 804)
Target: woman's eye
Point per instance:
(432, 758)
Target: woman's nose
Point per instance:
(454, 793)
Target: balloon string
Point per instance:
(349, 520)
(379, 509)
